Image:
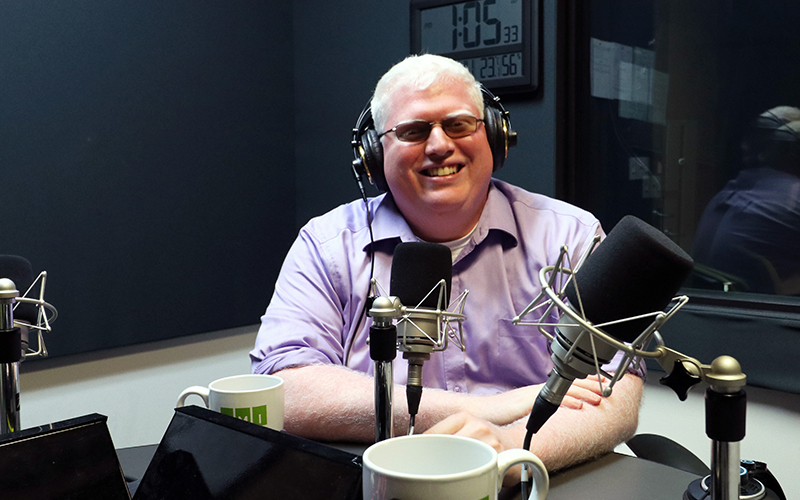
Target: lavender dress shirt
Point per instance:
(321, 290)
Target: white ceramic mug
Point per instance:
(255, 398)
(443, 467)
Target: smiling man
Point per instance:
(439, 183)
(437, 162)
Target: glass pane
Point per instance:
(667, 103)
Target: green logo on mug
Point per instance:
(256, 415)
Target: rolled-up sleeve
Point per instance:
(304, 321)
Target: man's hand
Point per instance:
(499, 438)
(466, 424)
(602, 423)
(508, 407)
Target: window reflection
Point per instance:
(685, 114)
(748, 237)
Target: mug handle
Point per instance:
(203, 392)
(541, 480)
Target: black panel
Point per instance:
(73, 459)
(146, 162)
(205, 455)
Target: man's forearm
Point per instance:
(329, 402)
(572, 436)
(575, 433)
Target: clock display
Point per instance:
(497, 66)
(472, 25)
(496, 39)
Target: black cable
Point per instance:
(523, 486)
(413, 397)
(526, 445)
(368, 301)
(541, 412)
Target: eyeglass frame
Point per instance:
(430, 128)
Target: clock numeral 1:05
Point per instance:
(468, 18)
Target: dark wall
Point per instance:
(163, 155)
(146, 162)
(341, 50)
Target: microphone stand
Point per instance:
(725, 397)
(726, 405)
(10, 356)
(726, 408)
(382, 350)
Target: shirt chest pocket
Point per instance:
(520, 353)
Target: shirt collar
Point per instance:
(497, 216)
(389, 224)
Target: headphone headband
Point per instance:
(368, 150)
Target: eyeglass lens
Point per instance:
(419, 130)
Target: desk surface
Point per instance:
(620, 477)
(613, 476)
(134, 460)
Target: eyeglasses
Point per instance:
(418, 130)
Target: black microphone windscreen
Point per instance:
(417, 267)
(636, 270)
(18, 269)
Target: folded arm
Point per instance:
(333, 403)
(570, 435)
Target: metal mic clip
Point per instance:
(43, 321)
(584, 333)
(417, 324)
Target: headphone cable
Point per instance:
(370, 298)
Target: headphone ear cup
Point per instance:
(368, 151)
(373, 159)
(498, 128)
(495, 134)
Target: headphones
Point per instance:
(368, 151)
(771, 139)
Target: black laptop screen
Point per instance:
(73, 459)
(205, 455)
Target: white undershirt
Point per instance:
(457, 246)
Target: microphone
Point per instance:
(29, 312)
(14, 271)
(420, 282)
(18, 269)
(420, 279)
(18, 315)
(633, 275)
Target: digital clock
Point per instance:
(498, 40)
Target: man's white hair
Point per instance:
(420, 72)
